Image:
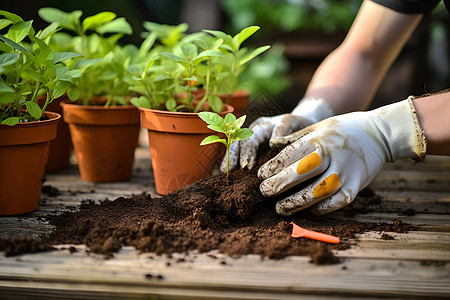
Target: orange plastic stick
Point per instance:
(297, 232)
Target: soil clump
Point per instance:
(215, 213)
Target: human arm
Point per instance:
(328, 163)
(433, 113)
(344, 82)
(343, 154)
(349, 77)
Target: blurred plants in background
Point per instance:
(292, 15)
(268, 73)
(439, 48)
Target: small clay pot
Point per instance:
(104, 140)
(61, 147)
(239, 100)
(24, 150)
(177, 157)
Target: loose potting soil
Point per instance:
(216, 213)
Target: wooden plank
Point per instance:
(243, 276)
(418, 219)
(414, 264)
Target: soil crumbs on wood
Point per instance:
(216, 213)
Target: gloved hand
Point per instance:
(244, 153)
(343, 154)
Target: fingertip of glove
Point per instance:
(263, 172)
(280, 209)
(263, 188)
(277, 142)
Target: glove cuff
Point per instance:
(313, 109)
(401, 129)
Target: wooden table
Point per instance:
(413, 265)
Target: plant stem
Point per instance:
(205, 97)
(228, 158)
(228, 135)
(47, 102)
(190, 89)
(149, 95)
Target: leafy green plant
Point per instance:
(201, 66)
(238, 56)
(104, 62)
(268, 73)
(167, 35)
(189, 59)
(292, 15)
(153, 79)
(155, 85)
(28, 68)
(230, 126)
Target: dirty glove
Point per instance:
(342, 154)
(244, 153)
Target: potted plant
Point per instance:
(28, 66)
(104, 127)
(227, 82)
(228, 126)
(175, 82)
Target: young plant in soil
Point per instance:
(230, 126)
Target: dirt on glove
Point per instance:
(216, 213)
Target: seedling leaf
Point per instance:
(246, 33)
(11, 121)
(19, 31)
(95, 21)
(119, 25)
(7, 59)
(212, 139)
(229, 126)
(230, 118)
(211, 118)
(13, 44)
(61, 56)
(33, 109)
(243, 133)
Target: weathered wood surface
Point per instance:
(413, 265)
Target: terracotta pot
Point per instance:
(177, 157)
(104, 140)
(239, 100)
(61, 146)
(24, 152)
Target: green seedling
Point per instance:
(230, 126)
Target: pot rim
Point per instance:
(52, 117)
(229, 109)
(94, 107)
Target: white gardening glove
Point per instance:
(244, 153)
(342, 154)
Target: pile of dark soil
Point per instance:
(228, 214)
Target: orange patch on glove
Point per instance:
(327, 186)
(308, 163)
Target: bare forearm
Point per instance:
(433, 113)
(349, 78)
(346, 81)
